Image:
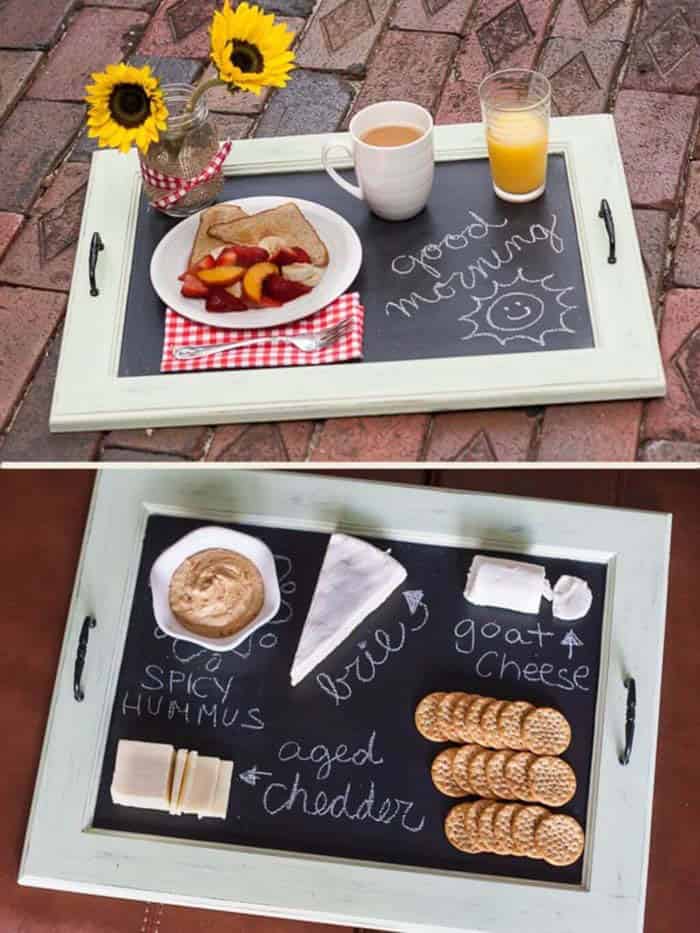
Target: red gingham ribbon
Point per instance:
(181, 332)
(178, 187)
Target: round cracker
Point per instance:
(546, 731)
(472, 719)
(441, 773)
(471, 820)
(485, 825)
(460, 766)
(451, 726)
(516, 773)
(551, 781)
(489, 724)
(455, 828)
(510, 721)
(523, 828)
(477, 773)
(495, 774)
(426, 717)
(444, 712)
(559, 839)
(458, 725)
(502, 829)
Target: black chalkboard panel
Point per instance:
(358, 705)
(471, 275)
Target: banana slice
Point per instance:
(303, 272)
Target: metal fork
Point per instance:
(307, 343)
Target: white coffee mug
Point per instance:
(394, 181)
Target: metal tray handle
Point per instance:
(630, 716)
(96, 247)
(606, 214)
(80, 655)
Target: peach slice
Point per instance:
(221, 275)
(254, 278)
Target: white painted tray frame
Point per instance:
(62, 851)
(625, 362)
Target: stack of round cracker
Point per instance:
(505, 774)
(515, 829)
(498, 724)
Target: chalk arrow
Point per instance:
(252, 775)
(571, 641)
(413, 599)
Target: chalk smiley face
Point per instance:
(515, 310)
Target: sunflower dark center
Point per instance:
(129, 105)
(247, 57)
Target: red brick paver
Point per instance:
(386, 437)
(677, 417)
(42, 255)
(475, 436)
(9, 225)
(666, 52)
(27, 320)
(32, 139)
(296, 437)
(179, 29)
(96, 39)
(594, 19)
(686, 270)
(33, 26)
(254, 443)
(502, 34)
(432, 15)
(654, 132)
(593, 432)
(182, 442)
(388, 78)
(341, 34)
(16, 69)
(652, 230)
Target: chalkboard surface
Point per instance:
(344, 740)
(471, 275)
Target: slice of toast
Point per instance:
(285, 221)
(204, 243)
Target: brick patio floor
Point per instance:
(638, 61)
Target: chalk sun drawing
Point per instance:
(513, 310)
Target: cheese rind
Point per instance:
(178, 777)
(143, 774)
(355, 579)
(506, 584)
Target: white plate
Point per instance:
(212, 536)
(345, 258)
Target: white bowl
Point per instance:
(201, 539)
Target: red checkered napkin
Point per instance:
(181, 332)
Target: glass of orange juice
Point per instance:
(515, 105)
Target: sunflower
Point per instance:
(249, 49)
(125, 107)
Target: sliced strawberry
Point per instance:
(284, 257)
(301, 254)
(250, 255)
(207, 263)
(192, 287)
(228, 257)
(267, 302)
(281, 289)
(221, 300)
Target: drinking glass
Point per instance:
(515, 105)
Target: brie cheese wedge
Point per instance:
(355, 579)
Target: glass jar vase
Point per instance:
(184, 150)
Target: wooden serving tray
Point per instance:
(429, 345)
(342, 872)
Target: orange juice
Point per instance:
(517, 142)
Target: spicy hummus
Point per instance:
(216, 592)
